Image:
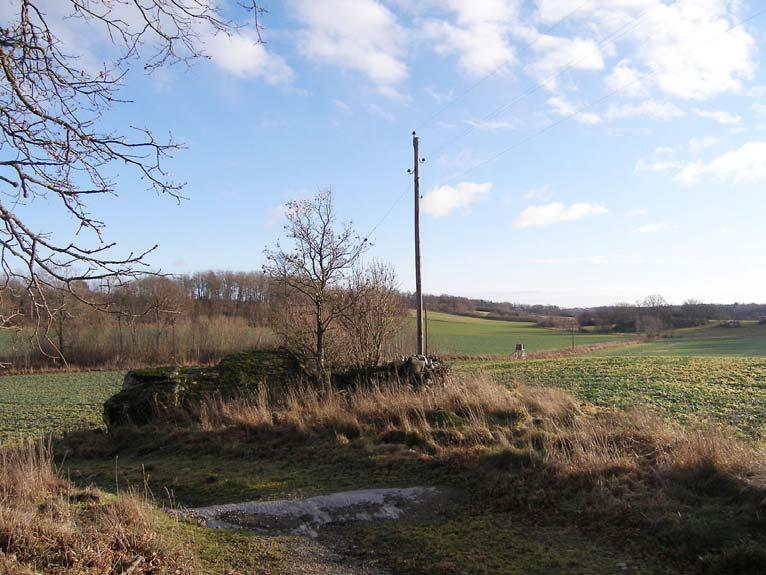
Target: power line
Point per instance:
(472, 87)
(386, 214)
(537, 133)
(494, 113)
(567, 118)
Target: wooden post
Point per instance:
(418, 284)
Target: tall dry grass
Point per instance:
(111, 345)
(48, 526)
(696, 496)
(547, 424)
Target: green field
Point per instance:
(459, 335)
(33, 405)
(716, 340)
(693, 390)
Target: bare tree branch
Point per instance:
(53, 144)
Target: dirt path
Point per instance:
(299, 522)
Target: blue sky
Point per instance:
(578, 152)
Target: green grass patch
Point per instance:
(483, 543)
(460, 335)
(746, 341)
(693, 390)
(51, 403)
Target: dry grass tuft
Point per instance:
(48, 526)
(547, 426)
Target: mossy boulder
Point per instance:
(148, 392)
(416, 370)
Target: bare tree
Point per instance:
(315, 266)
(376, 310)
(53, 139)
(656, 315)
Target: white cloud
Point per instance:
(745, 165)
(441, 201)
(690, 49)
(556, 54)
(342, 106)
(539, 194)
(439, 97)
(243, 56)
(757, 91)
(627, 80)
(655, 228)
(662, 111)
(720, 116)
(490, 125)
(696, 145)
(275, 214)
(479, 35)
(656, 166)
(556, 212)
(694, 50)
(564, 108)
(358, 35)
(637, 213)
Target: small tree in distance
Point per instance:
(316, 266)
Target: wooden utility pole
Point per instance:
(418, 284)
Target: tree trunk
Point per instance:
(320, 339)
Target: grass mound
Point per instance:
(694, 498)
(148, 392)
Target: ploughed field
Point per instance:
(33, 405)
(459, 335)
(693, 390)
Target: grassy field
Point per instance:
(475, 336)
(693, 390)
(746, 341)
(32, 405)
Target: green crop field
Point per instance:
(693, 390)
(476, 336)
(33, 405)
(746, 341)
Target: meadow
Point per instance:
(459, 335)
(693, 390)
(714, 340)
(33, 405)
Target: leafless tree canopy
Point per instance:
(375, 312)
(53, 143)
(316, 264)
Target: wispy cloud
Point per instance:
(362, 35)
(653, 109)
(655, 228)
(720, 116)
(564, 108)
(490, 125)
(538, 194)
(556, 212)
(745, 165)
(488, 21)
(441, 201)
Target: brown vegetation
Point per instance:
(49, 526)
(109, 344)
(694, 497)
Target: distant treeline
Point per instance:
(194, 318)
(621, 317)
(200, 317)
